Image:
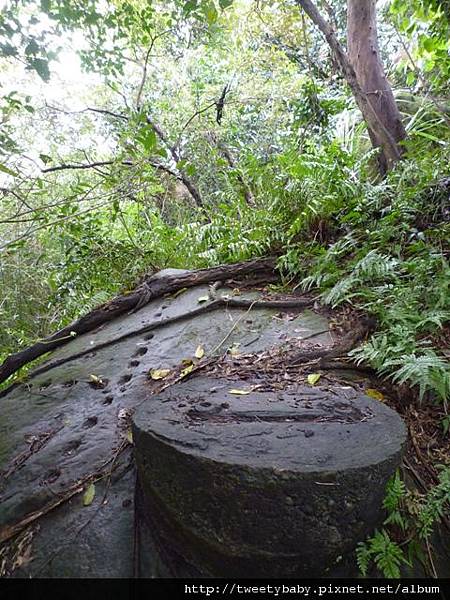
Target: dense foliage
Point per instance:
(192, 133)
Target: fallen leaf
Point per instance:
(203, 299)
(89, 495)
(159, 373)
(130, 436)
(186, 362)
(375, 394)
(234, 349)
(240, 392)
(187, 370)
(313, 378)
(96, 381)
(199, 352)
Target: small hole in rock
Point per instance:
(72, 446)
(149, 336)
(108, 399)
(90, 422)
(125, 378)
(69, 383)
(133, 363)
(206, 404)
(51, 476)
(141, 351)
(45, 384)
(98, 383)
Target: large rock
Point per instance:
(61, 427)
(275, 484)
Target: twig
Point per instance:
(235, 324)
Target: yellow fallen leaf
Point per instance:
(234, 349)
(159, 373)
(186, 362)
(199, 352)
(240, 392)
(130, 436)
(89, 495)
(375, 394)
(187, 370)
(313, 378)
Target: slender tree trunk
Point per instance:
(364, 55)
(248, 194)
(385, 139)
(186, 181)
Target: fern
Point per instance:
(375, 266)
(386, 554)
(395, 494)
(428, 372)
(436, 505)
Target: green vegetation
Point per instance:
(191, 133)
(414, 516)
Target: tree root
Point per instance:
(360, 332)
(219, 302)
(152, 287)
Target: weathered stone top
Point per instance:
(302, 429)
(59, 428)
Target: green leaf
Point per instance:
(89, 495)
(190, 6)
(4, 169)
(45, 158)
(40, 65)
(147, 137)
(313, 378)
(210, 12)
(32, 48)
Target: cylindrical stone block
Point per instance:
(268, 484)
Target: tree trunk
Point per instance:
(385, 140)
(187, 181)
(364, 55)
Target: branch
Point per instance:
(187, 181)
(102, 111)
(387, 142)
(94, 165)
(189, 121)
(144, 73)
(103, 163)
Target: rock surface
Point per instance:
(246, 482)
(62, 427)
